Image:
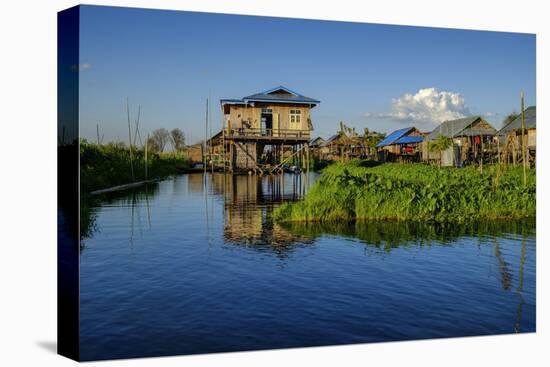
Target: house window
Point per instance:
(295, 116)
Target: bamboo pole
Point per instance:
(514, 149)
(307, 157)
(224, 153)
(498, 149)
(524, 157)
(130, 139)
(136, 134)
(204, 158)
(146, 147)
(481, 159)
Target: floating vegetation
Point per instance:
(415, 192)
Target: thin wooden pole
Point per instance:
(524, 157)
(307, 158)
(97, 131)
(223, 151)
(205, 140)
(481, 159)
(130, 139)
(137, 128)
(498, 149)
(146, 146)
(210, 126)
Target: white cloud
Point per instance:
(490, 114)
(426, 108)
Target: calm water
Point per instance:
(195, 266)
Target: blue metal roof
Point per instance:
(409, 140)
(394, 136)
(232, 101)
(278, 94)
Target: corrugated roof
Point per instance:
(232, 101)
(530, 121)
(278, 94)
(394, 136)
(317, 141)
(453, 128)
(332, 138)
(409, 140)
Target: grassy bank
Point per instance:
(361, 191)
(104, 166)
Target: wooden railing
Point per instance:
(266, 133)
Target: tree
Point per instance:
(509, 118)
(440, 144)
(161, 137)
(152, 145)
(371, 139)
(177, 139)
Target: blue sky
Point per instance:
(378, 76)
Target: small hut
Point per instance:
(317, 142)
(332, 149)
(195, 153)
(401, 145)
(340, 146)
(509, 137)
(316, 146)
(472, 137)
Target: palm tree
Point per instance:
(440, 144)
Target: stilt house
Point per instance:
(471, 137)
(259, 128)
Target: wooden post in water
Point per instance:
(145, 157)
(523, 155)
(130, 139)
(205, 159)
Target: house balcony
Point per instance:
(266, 135)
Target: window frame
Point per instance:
(295, 116)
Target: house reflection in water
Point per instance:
(249, 201)
(195, 183)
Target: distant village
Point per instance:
(272, 131)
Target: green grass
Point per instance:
(358, 190)
(104, 166)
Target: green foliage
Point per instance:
(440, 144)
(103, 166)
(320, 164)
(413, 192)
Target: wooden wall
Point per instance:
(239, 113)
(532, 138)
